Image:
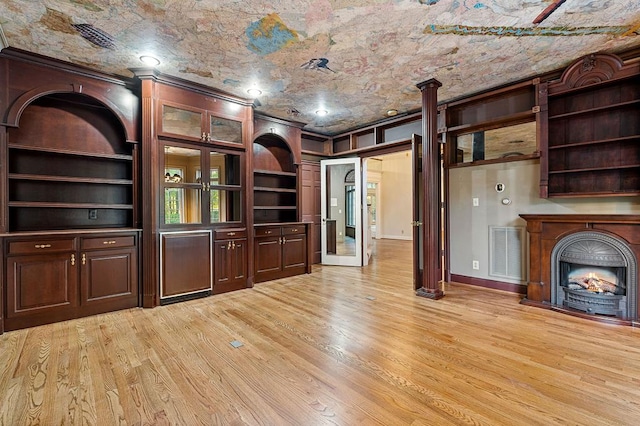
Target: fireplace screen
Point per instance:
(593, 289)
(594, 273)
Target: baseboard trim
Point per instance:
(497, 285)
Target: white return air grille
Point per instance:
(506, 249)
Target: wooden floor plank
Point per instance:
(342, 346)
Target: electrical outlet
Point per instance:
(93, 214)
(476, 264)
(476, 202)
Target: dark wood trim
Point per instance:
(145, 73)
(59, 65)
(534, 156)
(496, 285)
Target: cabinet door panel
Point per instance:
(268, 255)
(239, 260)
(108, 274)
(185, 263)
(40, 284)
(230, 265)
(294, 252)
(222, 261)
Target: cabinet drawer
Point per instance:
(107, 242)
(293, 229)
(41, 246)
(228, 234)
(267, 231)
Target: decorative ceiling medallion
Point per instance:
(96, 36)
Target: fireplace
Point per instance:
(590, 272)
(585, 265)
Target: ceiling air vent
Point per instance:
(95, 35)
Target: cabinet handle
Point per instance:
(109, 242)
(208, 137)
(208, 186)
(84, 259)
(284, 240)
(73, 259)
(229, 245)
(40, 246)
(267, 232)
(233, 245)
(231, 234)
(294, 230)
(204, 137)
(204, 186)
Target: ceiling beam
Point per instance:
(548, 11)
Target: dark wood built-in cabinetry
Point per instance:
(280, 251)
(280, 237)
(59, 276)
(69, 171)
(195, 187)
(230, 254)
(591, 143)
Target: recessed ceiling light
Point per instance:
(322, 112)
(392, 112)
(150, 60)
(254, 93)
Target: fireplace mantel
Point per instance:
(546, 230)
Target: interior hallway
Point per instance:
(344, 345)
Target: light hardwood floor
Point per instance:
(345, 346)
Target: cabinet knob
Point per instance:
(109, 242)
(231, 234)
(41, 246)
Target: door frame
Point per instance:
(335, 259)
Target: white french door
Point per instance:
(341, 203)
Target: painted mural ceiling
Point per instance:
(356, 59)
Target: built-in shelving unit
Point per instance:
(593, 130)
(69, 171)
(275, 181)
(59, 179)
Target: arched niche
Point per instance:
(271, 152)
(78, 93)
(68, 121)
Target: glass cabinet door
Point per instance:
(225, 130)
(181, 121)
(182, 185)
(224, 188)
(193, 197)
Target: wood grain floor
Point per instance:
(344, 346)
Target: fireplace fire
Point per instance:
(595, 290)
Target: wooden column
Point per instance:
(431, 228)
(150, 185)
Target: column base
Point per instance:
(430, 293)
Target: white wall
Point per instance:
(469, 227)
(396, 195)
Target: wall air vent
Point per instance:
(506, 249)
(96, 36)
